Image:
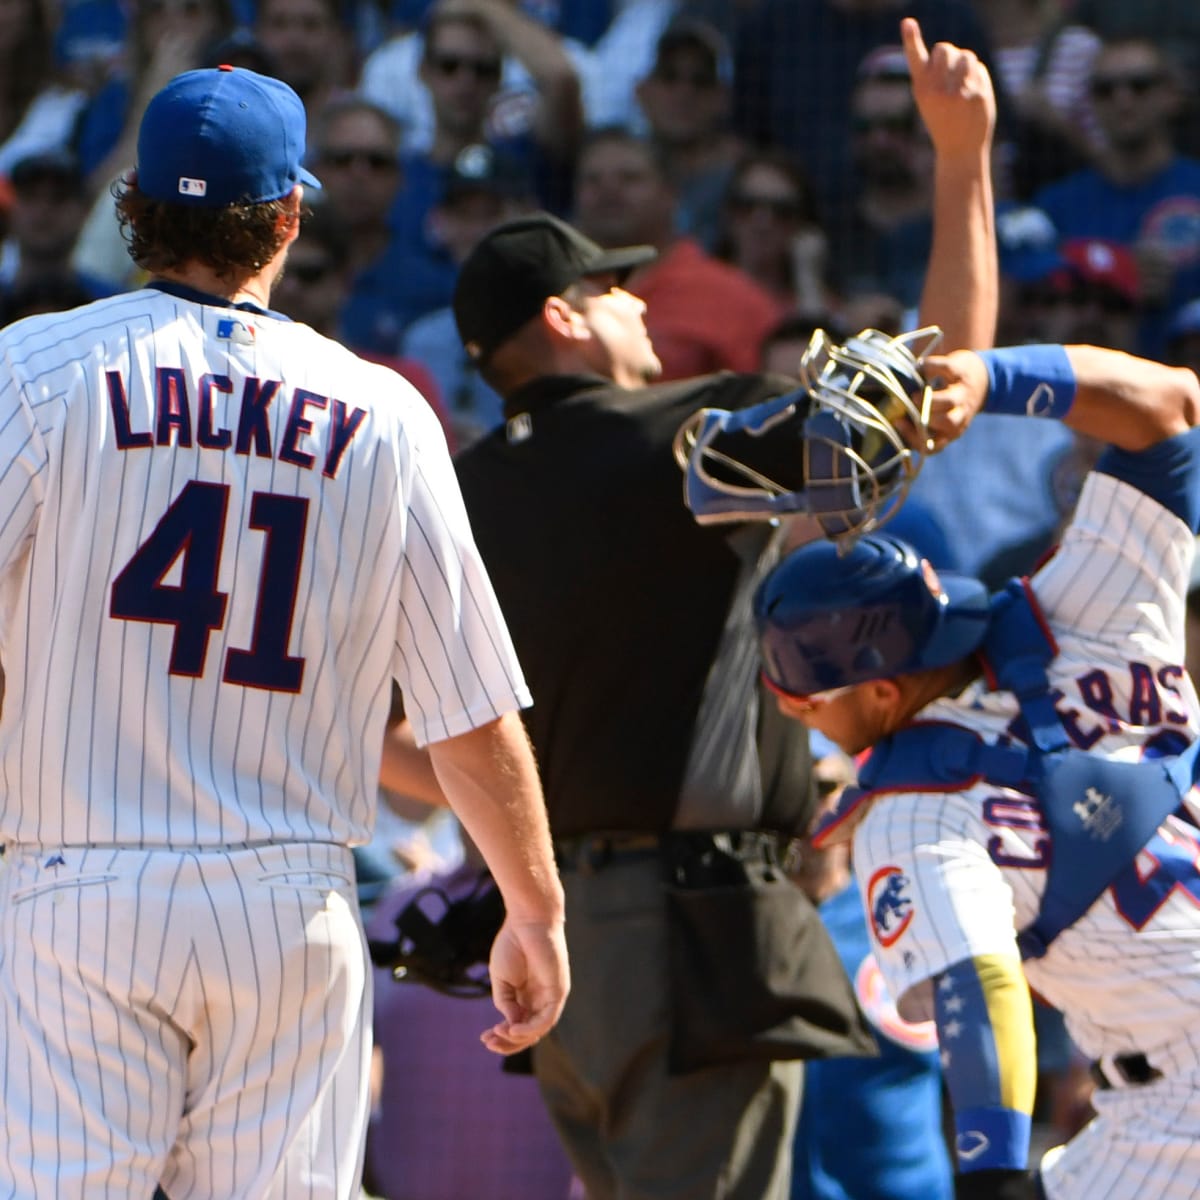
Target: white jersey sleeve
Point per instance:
(933, 896)
(22, 461)
(454, 659)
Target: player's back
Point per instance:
(203, 517)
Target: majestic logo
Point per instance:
(240, 332)
(519, 428)
(192, 187)
(889, 904)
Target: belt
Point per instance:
(591, 852)
(1123, 1070)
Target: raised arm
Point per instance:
(953, 93)
(559, 119)
(490, 779)
(1128, 402)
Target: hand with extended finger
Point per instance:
(953, 92)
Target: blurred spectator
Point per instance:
(390, 72)
(1028, 250)
(313, 290)
(881, 243)
(795, 64)
(449, 1123)
(458, 63)
(1043, 61)
(38, 108)
(622, 57)
(1088, 293)
(770, 229)
(702, 314)
(48, 292)
(48, 208)
(484, 189)
(1183, 338)
(165, 38)
(1141, 192)
(356, 155)
(1174, 24)
(686, 102)
(310, 47)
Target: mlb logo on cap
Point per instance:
(221, 136)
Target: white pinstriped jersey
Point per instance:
(952, 876)
(221, 537)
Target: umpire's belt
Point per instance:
(592, 852)
(1123, 1070)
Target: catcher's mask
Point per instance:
(829, 619)
(834, 452)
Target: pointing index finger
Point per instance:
(914, 45)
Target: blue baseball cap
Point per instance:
(221, 136)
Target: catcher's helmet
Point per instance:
(854, 466)
(827, 619)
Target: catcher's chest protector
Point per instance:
(1099, 813)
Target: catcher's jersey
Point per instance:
(951, 876)
(222, 536)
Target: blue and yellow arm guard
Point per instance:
(984, 1020)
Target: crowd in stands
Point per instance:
(769, 149)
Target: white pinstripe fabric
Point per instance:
(389, 584)
(142, 985)
(1114, 597)
(184, 993)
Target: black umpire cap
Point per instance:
(508, 276)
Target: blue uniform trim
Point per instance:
(1029, 381)
(1168, 472)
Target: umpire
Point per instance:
(700, 975)
(671, 790)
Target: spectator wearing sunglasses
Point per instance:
(685, 99)
(770, 229)
(313, 290)
(1140, 192)
(310, 45)
(356, 149)
(479, 72)
(702, 314)
(880, 240)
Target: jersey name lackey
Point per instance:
(184, 413)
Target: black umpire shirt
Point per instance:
(616, 598)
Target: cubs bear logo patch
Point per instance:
(889, 904)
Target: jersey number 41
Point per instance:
(192, 532)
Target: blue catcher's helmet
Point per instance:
(842, 422)
(828, 618)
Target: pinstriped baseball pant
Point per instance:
(1143, 1144)
(199, 1018)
